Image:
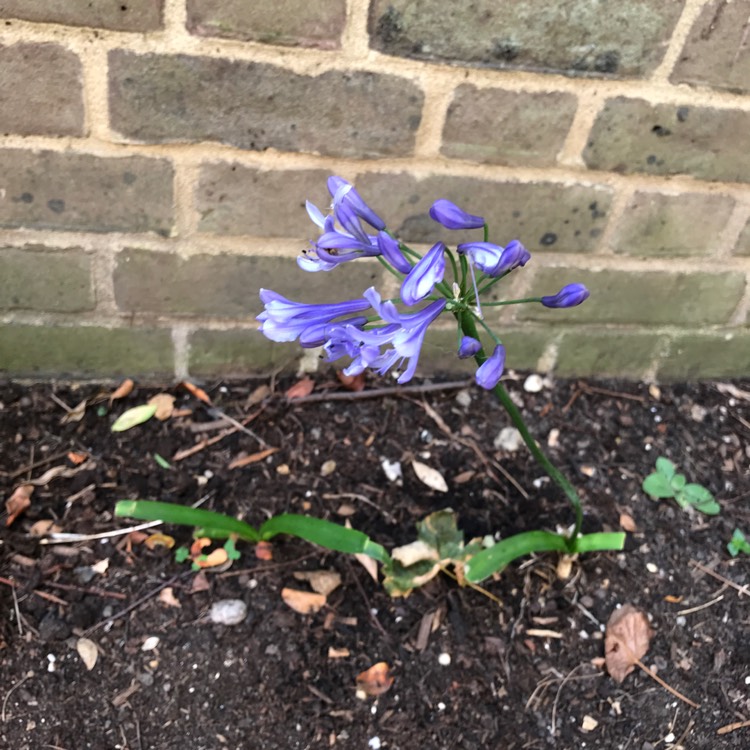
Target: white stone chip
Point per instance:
(228, 612)
(444, 659)
(509, 439)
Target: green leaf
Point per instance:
(231, 549)
(162, 461)
(658, 486)
(696, 493)
(324, 533)
(181, 554)
(678, 482)
(440, 531)
(133, 417)
(738, 544)
(220, 525)
(708, 508)
(666, 467)
(399, 580)
(601, 542)
(495, 558)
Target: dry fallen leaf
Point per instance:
(376, 680)
(200, 583)
(218, 557)
(77, 458)
(159, 540)
(88, 652)
(101, 567)
(253, 458)
(627, 523)
(18, 502)
(303, 602)
(199, 393)
(124, 389)
(626, 641)
(429, 476)
(259, 394)
(44, 527)
(166, 596)
(164, 403)
(321, 581)
(338, 653)
(351, 382)
(327, 468)
(76, 414)
(300, 389)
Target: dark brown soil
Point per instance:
(269, 681)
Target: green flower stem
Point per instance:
(470, 329)
(511, 302)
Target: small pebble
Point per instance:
(392, 470)
(670, 737)
(374, 743)
(509, 439)
(444, 659)
(150, 643)
(228, 612)
(533, 384)
(681, 620)
(463, 398)
(651, 568)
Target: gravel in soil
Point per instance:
(470, 671)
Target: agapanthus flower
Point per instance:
(494, 260)
(569, 296)
(422, 278)
(489, 373)
(285, 320)
(390, 250)
(344, 194)
(468, 347)
(452, 217)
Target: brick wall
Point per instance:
(155, 156)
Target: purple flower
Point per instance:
(345, 195)
(285, 320)
(390, 250)
(488, 374)
(468, 347)
(452, 217)
(426, 273)
(334, 246)
(494, 260)
(569, 296)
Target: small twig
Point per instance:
(741, 589)
(36, 464)
(700, 606)
(474, 586)
(654, 676)
(268, 568)
(61, 403)
(66, 538)
(214, 411)
(727, 728)
(17, 610)
(83, 590)
(27, 676)
(198, 447)
(615, 394)
(401, 390)
(367, 602)
(557, 698)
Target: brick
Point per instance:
(133, 15)
(507, 127)
(80, 192)
(236, 353)
(82, 351)
(307, 23)
(542, 215)
(227, 285)
(716, 52)
(236, 200)
(672, 225)
(258, 106)
(707, 356)
(631, 135)
(569, 36)
(743, 245)
(38, 278)
(653, 298)
(40, 90)
(606, 353)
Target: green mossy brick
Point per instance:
(716, 52)
(237, 353)
(743, 244)
(83, 193)
(493, 126)
(82, 351)
(257, 106)
(236, 200)
(41, 90)
(573, 37)
(707, 356)
(305, 23)
(133, 15)
(543, 215)
(227, 285)
(640, 298)
(672, 225)
(633, 135)
(611, 354)
(39, 278)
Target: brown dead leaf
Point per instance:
(77, 458)
(166, 596)
(253, 458)
(124, 389)
(351, 382)
(672, 599)
(264, 551)
(626, 641)
(200, 583)
(300, 389)
(259, 394)
(164, 403)
(137, 537)
(464, 476)
(627, 523)
(304, 602)
(199, 393)
(88, 652)
(18, 502)
(198, 544)
(376, 680)
(321, 581)
(159, 540)
(44, 527)
(76, 414)
(217, 557)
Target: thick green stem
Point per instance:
(468, 326)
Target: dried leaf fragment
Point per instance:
(88, 652)
(626, 641)
(18, 502)
(199, 393)
(321, 581)
(164, 403)
(300, 389)
(159, 540)
(44, 527)
(166, 596)
(76, 414)
(304, 602)
(376, 680)
(124, 389)
(429, 476)
(627, 523)
(264, 551)
(351, 382)
(77, 458)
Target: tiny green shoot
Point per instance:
(738, 543)
(665, 482)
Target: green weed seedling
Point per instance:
(665, 482)
(738, 543)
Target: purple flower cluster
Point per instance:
(371, 332)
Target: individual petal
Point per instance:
(483, 255)
(390, 250)
(569, 296)
(488, 374)
(315, 214)
(452, 217)
(468, 347)
(318, 333)
(421, 280)
(344, 194)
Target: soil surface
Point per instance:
(518, 670)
